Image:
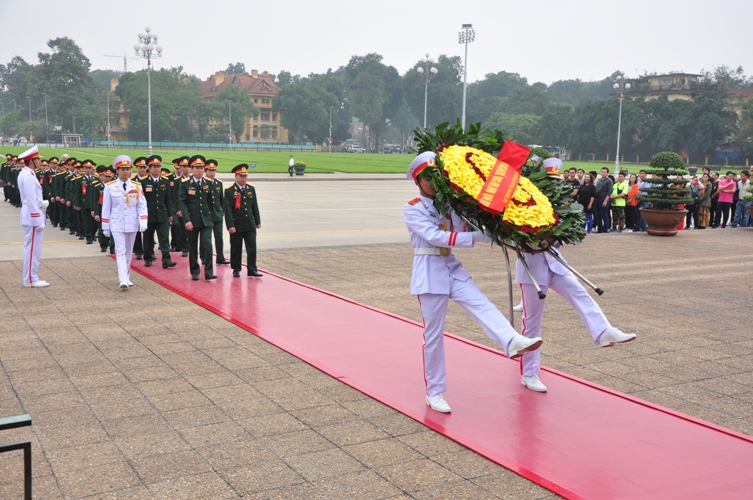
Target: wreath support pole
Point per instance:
(576, 273)
(509, 286)
(522, 259)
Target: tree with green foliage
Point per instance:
(304, 109)
(444, 94)
(176, 104)
(236, 69)
(523, 129)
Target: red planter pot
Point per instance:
(662, 222)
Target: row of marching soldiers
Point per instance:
(75, 191)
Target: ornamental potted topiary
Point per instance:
(664, 195)
(299, 167)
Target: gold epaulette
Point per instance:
(185, 179)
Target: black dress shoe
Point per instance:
(89, 242)
(195, 277)
(103, 249)
(112, 251)
(210, 277)
(236, 274)
(165, 265)
(255, 274)
(80, 237)
(147, 263)
(63, 228)
(223, 261)
(173, 249)
(138, 256)
(184, 254)
(54, 225)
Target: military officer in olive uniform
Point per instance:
(52, 210)
(15, 169)
(195, 203)
(159, 205)
(70, 181)
(58, 189)
(106, 173)
(182, 174)
(218, 196)
(141, 173)
(242, 219)
(4, 171)
(83, 199)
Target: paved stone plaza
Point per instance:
(144, 394)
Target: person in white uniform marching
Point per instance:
(33, 216)
(124, 214)
(551, 274)
(438, 276)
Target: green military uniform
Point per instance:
(69, 189)
(160, 209)
(5, 176)
(96, 198)
(180, 238)
(62, 183)
(242, 214)
(15, 198)
(52, 210)
(195, 203)
(138, 241)
(218, 195)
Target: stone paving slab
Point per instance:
(143, 394)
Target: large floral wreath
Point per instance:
(540, 209)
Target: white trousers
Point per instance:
(434, 309)
(123, 242)
(568, 287)
(32, 253)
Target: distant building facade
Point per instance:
(262, 89)
(683, 86)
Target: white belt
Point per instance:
(433, 251)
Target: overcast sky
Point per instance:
(542, 40)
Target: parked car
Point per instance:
(355, 148)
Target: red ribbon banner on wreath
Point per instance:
(504, 177)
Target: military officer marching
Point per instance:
(182, 174)
(124, 214)
(105, 174)
(242, 219)
(141, 171)
(159, 206)
(195, 203)
(218, 195)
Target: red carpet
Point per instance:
(580, 440)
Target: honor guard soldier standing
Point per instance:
(141, 171)
(242, 219)
(5, 177)
(123, 214)
(195, 202)
(182, 174)
(438, 276)
(15, 198)
(159, 205)
(33, 218)
(53, 211)
(218, 195)
(88, 226)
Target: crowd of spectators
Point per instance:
(611, 204)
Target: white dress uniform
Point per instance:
(124, 213)
(550, 274)
(437, 277)
(33, 220)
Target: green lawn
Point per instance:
(266, 162)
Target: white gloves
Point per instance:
(43, 206)
(106, 233)
(39, 229)
(481, 236)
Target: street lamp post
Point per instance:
(146, 49)
(30, 131)
(428, 72)
(465, 37)
(330, 129)
(46, 126)
(107, 135)
(620, 86)
(229, 122)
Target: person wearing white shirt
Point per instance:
(741, 212)
(438, 277)
(124, 214)
(33, 217)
